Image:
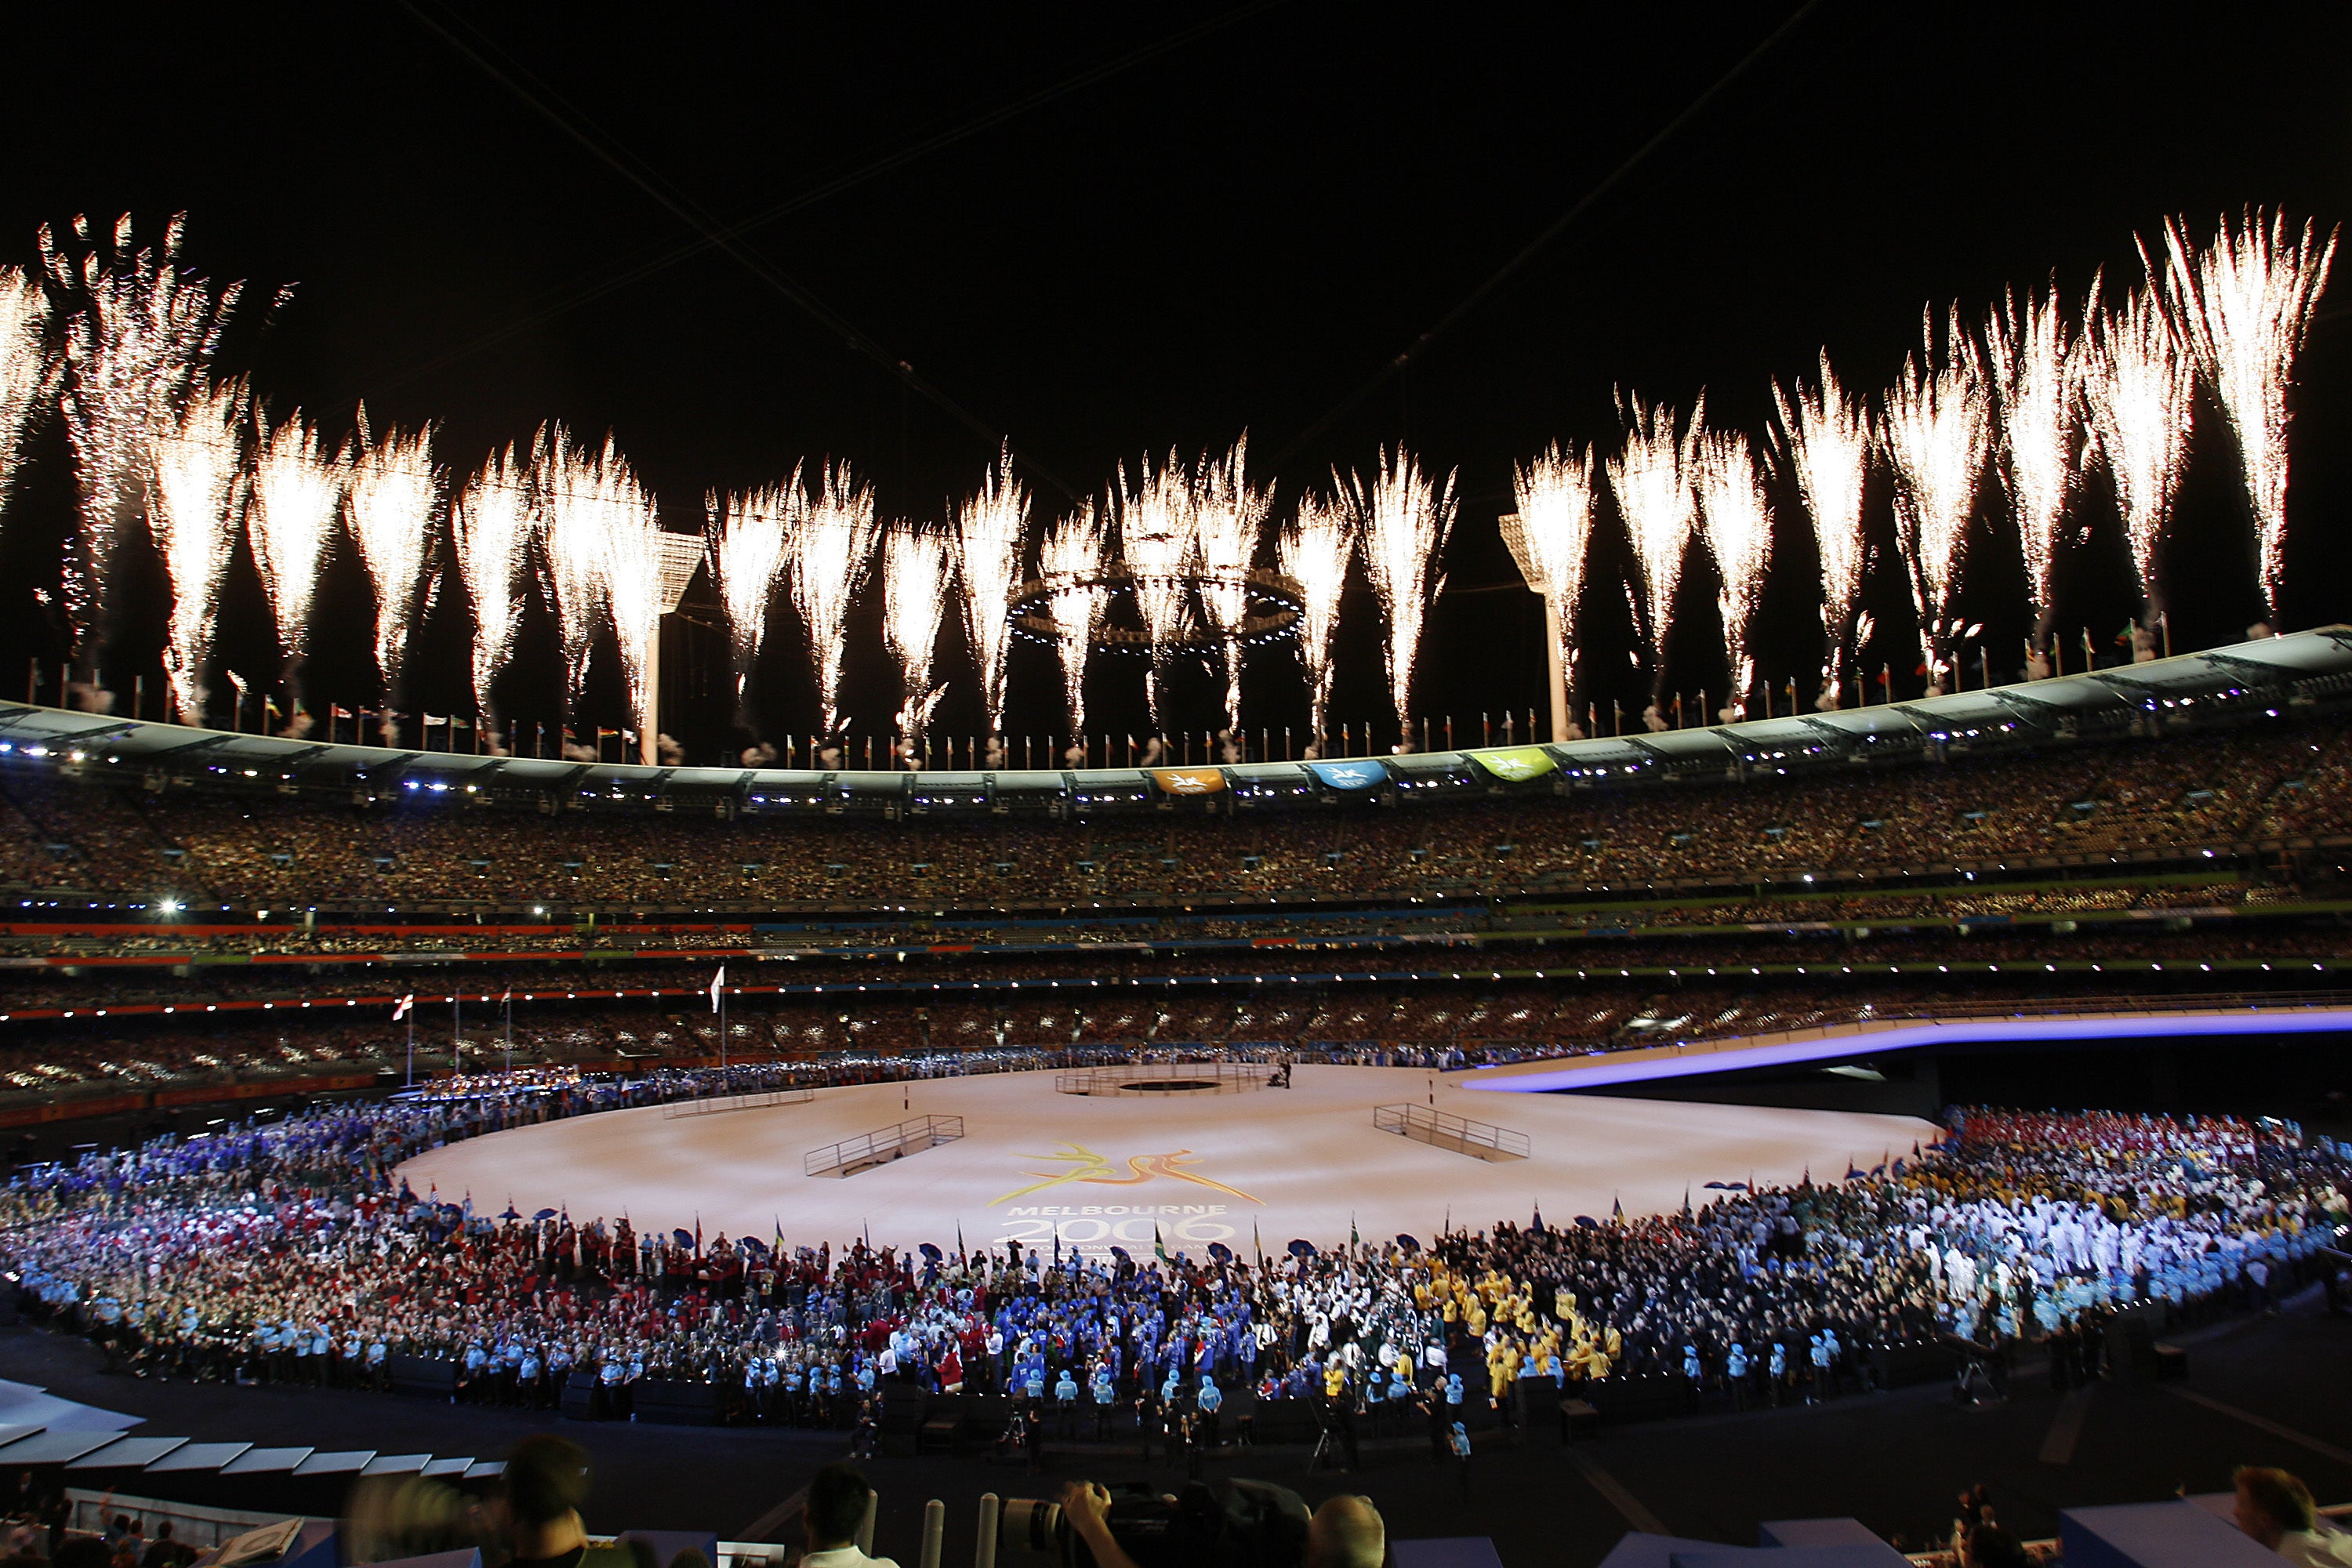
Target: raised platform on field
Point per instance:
(1159, 1080)
(1444, 1130)
(882, 1146)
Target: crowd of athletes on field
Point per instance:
(286, 1253)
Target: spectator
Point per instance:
(2275, 1509)
(540, 1494)
(839, 1499)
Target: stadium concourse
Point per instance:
(1154, 1103)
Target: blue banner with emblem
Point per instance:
(1352, 773)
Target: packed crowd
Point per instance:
(1101, 939)
(1474, 1018)
(290, 1252)
(2180, 792)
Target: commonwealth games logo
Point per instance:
(1081, 1163)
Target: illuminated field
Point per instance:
(1101, 1171)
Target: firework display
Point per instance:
(2136, 378)
(1403, 519)
(1071, 561)
(138, 333)
(914, 604)
(395, 496)
(192, 510)
(1651, 480)
(1159, 536)
(1231, 518)
(833, 534)
(297, 495)
(24, 361)
(631, 566)
(2244, 304)
(1824, 438)
(1738, 517)
(1314, 553)
(575, 483)
(988, 530)
(2029, 361)
(1992, 427)
(747, 560)
(1935, 432)
(496, 519)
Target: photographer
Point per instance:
(1345, 1533)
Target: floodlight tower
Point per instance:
(1539, 582)
(682, 556)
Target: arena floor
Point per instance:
(1100, 1171)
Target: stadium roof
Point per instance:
(2168, 692)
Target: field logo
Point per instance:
(1082, 1164)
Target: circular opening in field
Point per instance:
(1168, 1085)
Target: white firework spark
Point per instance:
(140, 333)
(196, 501)
(1550, 535)
(395, 493)
(2244, 305)
(632, 570)
(297, 491)
(1071, 561)
(831, 539)
(1403, 519)
(914, 602)
(989, 531)
(747, 558)
(1158, 537)
(576, 498)
(1737, 515)
(25, 365)
(1231, 519)
(2136, 376)
(497, 517)
(1652, 480)
(2029, 357)
(1936, 430)
(1824, 435)
(1314, 553)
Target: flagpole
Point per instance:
(508, 1001)
(412, 1048)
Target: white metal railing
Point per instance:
(882, 1144)
(1444, 1130)
(1156, 1078)
(753, 1099)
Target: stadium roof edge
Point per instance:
(2113, 696)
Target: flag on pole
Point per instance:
(506, 996)
(1616, 1211)
(403, 1007)
(1258, 1242)
(718, 983)
(1160, 1247)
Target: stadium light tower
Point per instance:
(682, 556)
(1539, 582)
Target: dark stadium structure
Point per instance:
(203, 912)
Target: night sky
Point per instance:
(1234, 221)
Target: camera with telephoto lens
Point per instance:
(1233, 1524)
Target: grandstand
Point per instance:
(388, 954)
